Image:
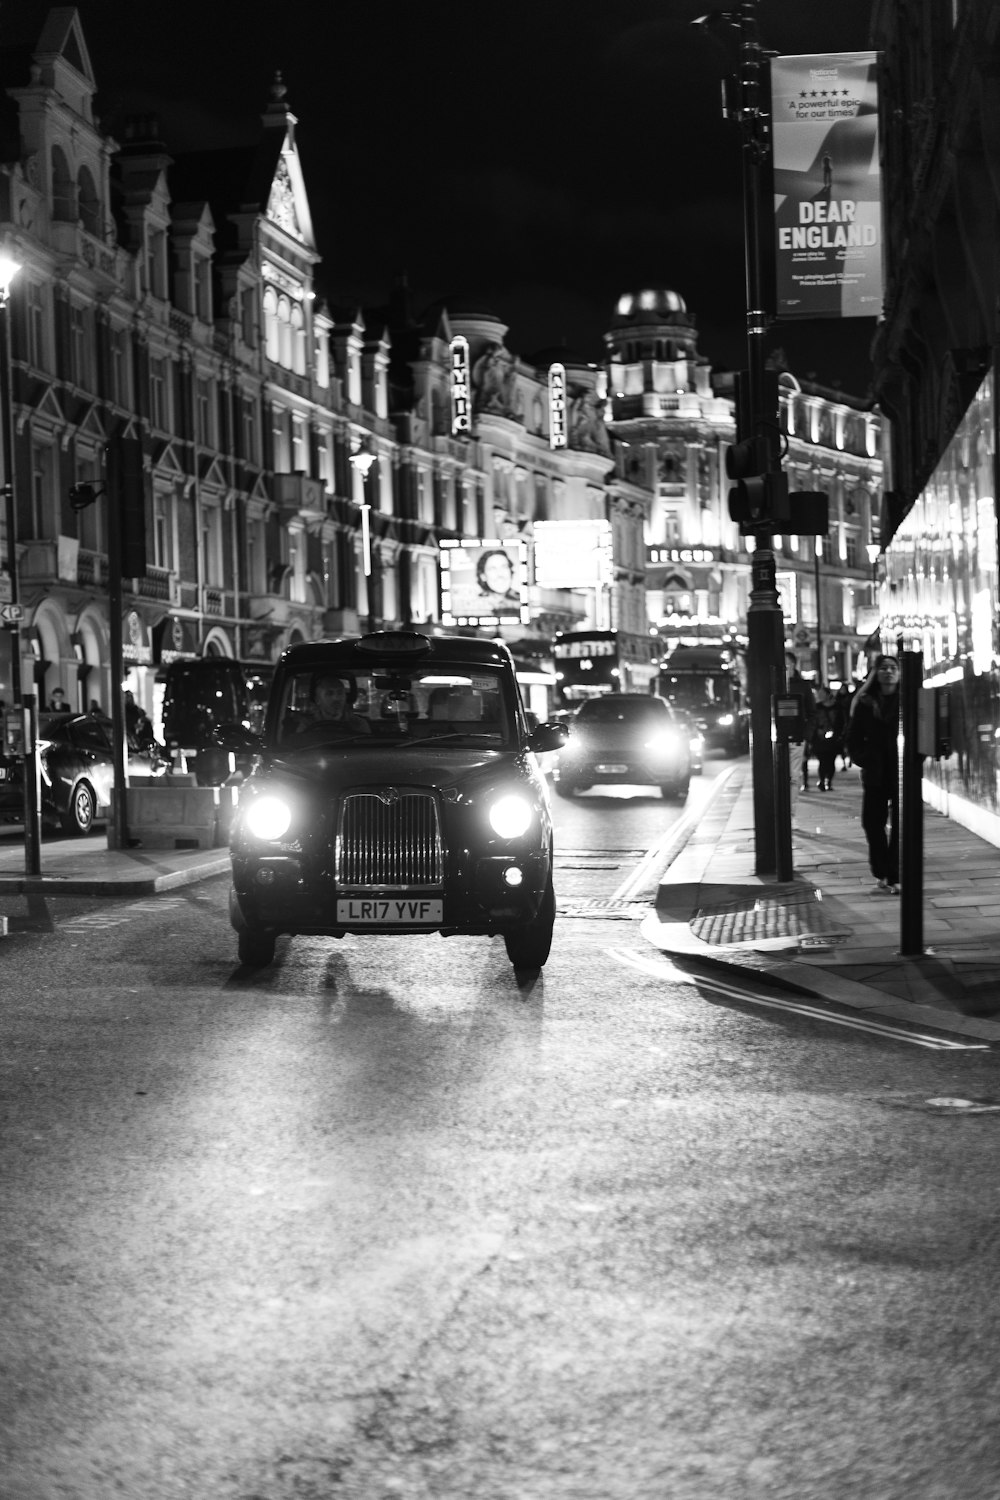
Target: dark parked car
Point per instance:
(199, 694)
(396, 790)
(77, 772)
(625, 738)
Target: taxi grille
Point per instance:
(387, 843)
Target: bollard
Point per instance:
(911, 807)
(32, 788)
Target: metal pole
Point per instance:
(911, 808)
(8, 490)
(820, 663)
(32, 787)
(118, 824)
(765, 627)
(28, 703)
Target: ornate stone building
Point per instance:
(301, 466)
(676, 417)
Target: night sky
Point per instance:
(542, 155)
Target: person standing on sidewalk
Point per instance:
(798, 755)
(872, 735)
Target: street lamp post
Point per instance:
(765, 624)
(361, 461)
(26, 703)
(9, 268)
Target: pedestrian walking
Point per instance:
(798, 755)
(872, 744)
(828, 736)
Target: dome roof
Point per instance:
(651, 306)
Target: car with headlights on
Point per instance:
(627, 739)
(395, 790)
(76, 765)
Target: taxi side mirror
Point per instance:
(547, 737)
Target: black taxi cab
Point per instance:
(395, 790)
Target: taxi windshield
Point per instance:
(318, 705)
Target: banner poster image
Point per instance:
(484, 582)
(827, 187)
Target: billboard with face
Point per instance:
(484, 582)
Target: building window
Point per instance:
(202, 289)
(163, 529)
(203, 405)
(157, 262)
(249, 430)
(38, 343)
(300, 446)
(322, 358)
(298, 338)
(284, 333)
(63, 188)
(211, 545)
(271, 341)
(255, 557)
(120, 384)
(279, 439)
(158, 393)
(82, 345)
(425, 504)
(851, 550)
(43, 490)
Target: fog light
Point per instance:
(265, 876)
(513, 875)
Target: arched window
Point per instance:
(284, 333)
(63, 188)
(271, 340)
(298, 360)
(89, 203)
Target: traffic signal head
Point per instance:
(758, 497)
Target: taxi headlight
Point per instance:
(724, 721)
(510, 816)
(268, 817)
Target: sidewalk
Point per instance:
(828, 932)
(87, 867)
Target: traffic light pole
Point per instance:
(765, 626)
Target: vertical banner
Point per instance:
(827, 187)
(461, 408)
(557, 406)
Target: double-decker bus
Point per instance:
(591, 662)
(708, 684)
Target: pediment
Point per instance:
(210, 472)
(165, 459)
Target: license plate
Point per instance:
(609, 770)
(3, 773)
(391, 911)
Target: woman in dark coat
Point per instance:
(872, 744)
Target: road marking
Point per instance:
(661, 969)
(676, 835)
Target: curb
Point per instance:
(111, 885)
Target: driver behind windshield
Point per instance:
(331, 704)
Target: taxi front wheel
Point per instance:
(529, 947)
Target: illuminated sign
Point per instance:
(557, 406)
(827, 187)
(572, 554)
(681, 554)
(484, 582)
(461, 405)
